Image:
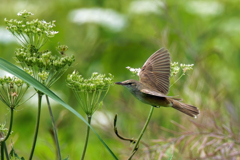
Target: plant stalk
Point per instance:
(37, 125)
(54, 130)
(2, 150)
(8, 134)
(135, 148)
(177, 79)
(87, 136)
(6, 152)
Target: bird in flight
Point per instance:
(153, 85)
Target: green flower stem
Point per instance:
(6, 152)
(87, 136)
(37, 124)
(142, 132)
(2, 150)
(10, 126)
(177, 80)
(8, 134)
(54, 131)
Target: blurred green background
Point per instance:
(106, 36)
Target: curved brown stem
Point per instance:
(119, 136)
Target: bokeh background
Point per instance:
(106, 36)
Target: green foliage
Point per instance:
(14, 155)
(44, 67)
(40, 87)
(205, 33)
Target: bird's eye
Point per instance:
(132, 84)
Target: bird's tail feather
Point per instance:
(185, 108)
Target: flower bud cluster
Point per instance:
(62, 49)
(43, 59)
(35, 32)
(94, 83)
(12, 90)
(32, 35)
(43, 66)
(90, 92)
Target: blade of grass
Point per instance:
(14, 70)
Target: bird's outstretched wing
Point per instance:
(156, 71)
(152, 92)
(158, 94)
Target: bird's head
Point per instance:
(130, 84)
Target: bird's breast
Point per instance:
(153, 100)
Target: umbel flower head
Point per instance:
(186, 67)
(174, 68)
(43, 66)
(31, 33)
(12, 90)
(90, 92)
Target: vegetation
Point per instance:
(120, 34)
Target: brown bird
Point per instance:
(153, 85)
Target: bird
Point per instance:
(153, 85)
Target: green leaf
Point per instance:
(9, 67)
(13, 155)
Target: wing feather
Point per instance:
(156, 71)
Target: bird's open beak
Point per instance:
(119, 83)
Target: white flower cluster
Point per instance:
(35, 32)
(25, 14)
(186, 67)
(134, 70)
(174, 68)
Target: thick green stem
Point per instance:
(141, 134)
(87, 136)
(2, 150)
(8, 134)
(10, 126)
(37, 125)
(54, 130)
(6, 152)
